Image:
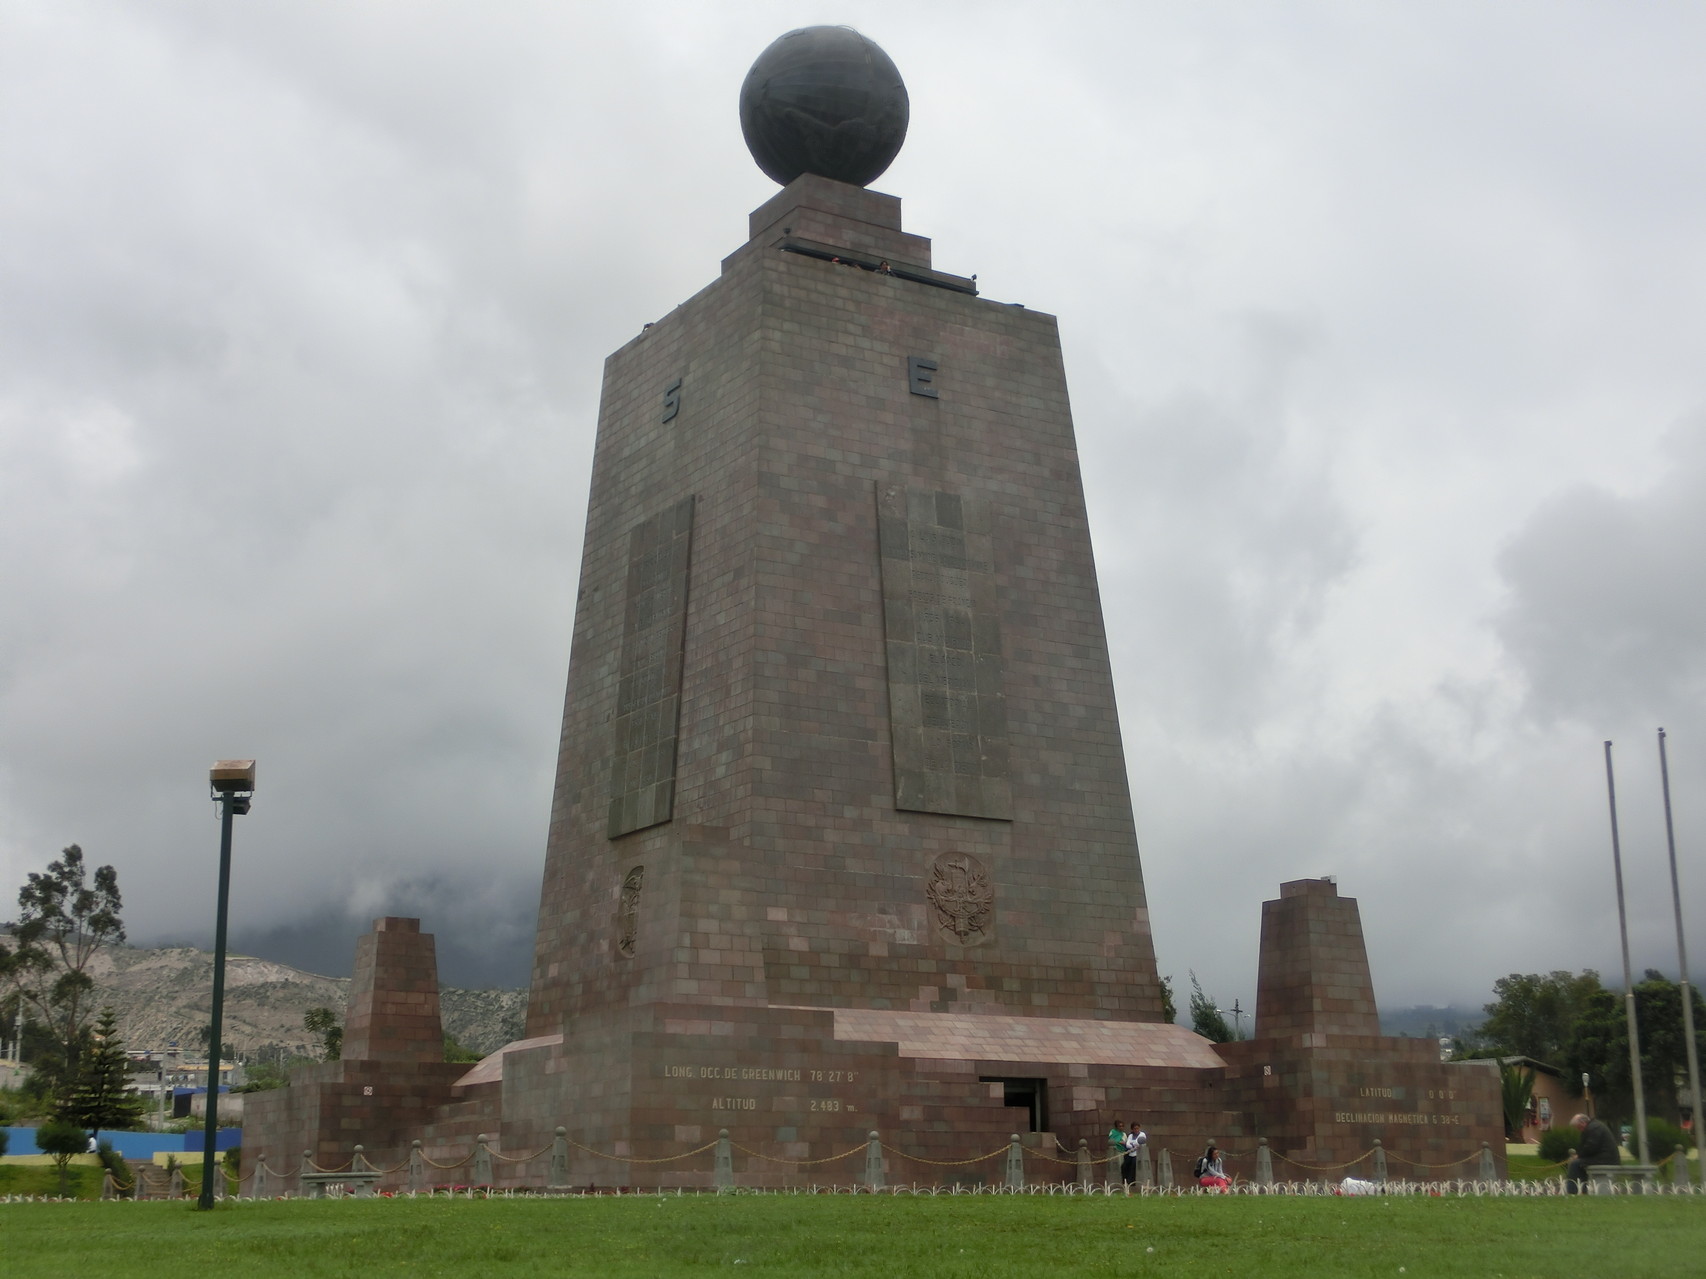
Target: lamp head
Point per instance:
(233, 779)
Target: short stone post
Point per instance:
(1083, 1164)
(1379, 1162)
(1145, 1173)
(358, 1164)
(1679, 1167)
(723, 1170)
(1164, 1170)
(176, 1190)
(559, 1178)
(483, 1160)
(1487, 1171)
(1015, 1163)
(109, 1187)
(1115, 1154)
(874, 1161)
(1264, 1164)
(304, 1188)
(258, 1189)
(417, 1167)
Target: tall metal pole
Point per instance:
(1682, 963)
(1628, 975)
(210, 1130)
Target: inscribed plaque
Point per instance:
(648, 693)
(941, 620)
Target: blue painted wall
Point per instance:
(136, 1145)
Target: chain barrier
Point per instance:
(942, 1163)
(635, 1159)
(346, 1166)
(797, 1163)
(1416, 1163)
(1298, 1163)
(430, 1161)
(508, 1159)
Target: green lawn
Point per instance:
(983, 1237)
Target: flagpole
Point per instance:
(1628, 975)
(1682, 962)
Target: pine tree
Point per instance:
(100, 1095)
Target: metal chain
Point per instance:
(943, 1163)
(521, 1159)
(798, 1163)
(635, 1159)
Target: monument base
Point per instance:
(644, 1096)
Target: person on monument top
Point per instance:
(1597, 1147)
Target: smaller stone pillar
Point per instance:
(1379, 1162)
(259, 1188)
(417, 1167)
(1164, 1170)
(1015, 1163)
(1679, 1167)
(1083, 1164)
(874, 1162)
(1145, 1173)
(1264, 1164)
(723, 1172)
(303, 1185)
(176, 1189)
(1487, 1172)
(559, 1178)
(358, 1164)
(482, 1161)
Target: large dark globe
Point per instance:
(823, 100)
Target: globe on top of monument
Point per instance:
(823, 100)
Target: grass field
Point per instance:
(903, 1238)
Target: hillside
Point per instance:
(165, 995)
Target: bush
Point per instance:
(114, 1163)
(1557, 1143)
(1663, 1137)
(4, 1138)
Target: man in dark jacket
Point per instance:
(1597, 1146)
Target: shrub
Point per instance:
(114, 1163)
(1557, 1143)
(62, 1139)
(1663, 1137)
(4, 1138)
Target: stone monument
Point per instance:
(842, 838)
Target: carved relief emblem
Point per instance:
(962, 897)
(628, 911)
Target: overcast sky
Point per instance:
(1386, 331)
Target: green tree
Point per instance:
(101, 1095)
(454, 1051)
(1516, 1090)
(324, 1026)
(1535, 1014)
(1206, 1019)
(63, 1140)
(1169, 1009)
(1600, 1047)
(65, 916)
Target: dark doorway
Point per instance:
(1029, 1095)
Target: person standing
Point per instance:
(1596, 1147)
(1135, 1140)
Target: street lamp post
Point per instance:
(233, 785)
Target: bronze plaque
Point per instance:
(941, 618)
(648, 692)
